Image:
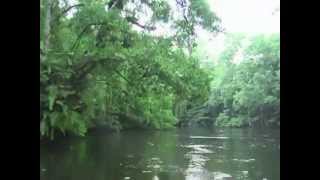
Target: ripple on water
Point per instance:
(244, 160)
(199, 149)
(208, 137)
(221, 176)
(206, 175)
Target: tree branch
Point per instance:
(82, 33)
(69, 8)
(133, 20)
(113, 4)
(122, 76)
(66, 10)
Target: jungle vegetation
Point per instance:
(103, 63)
(246, 87)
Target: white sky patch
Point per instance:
(248, 16)
(240, 16)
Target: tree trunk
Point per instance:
(47, 26)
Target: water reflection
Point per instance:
(196, 168)
(155, 177)
(164, 155)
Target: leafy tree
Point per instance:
(248, 93)
(100, 65)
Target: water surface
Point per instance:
(181, 154)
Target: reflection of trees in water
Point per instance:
(61, 157)
(160, 152)
(204, 165)
(196, 170)
(174, 155)
(198, 158)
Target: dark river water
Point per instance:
(180, 154)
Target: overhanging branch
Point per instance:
(134, 21)
(67, 10)
(85, 29)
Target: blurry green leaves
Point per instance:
(98, 67)
(52, 95)
(249, 91)
(92, 12)
(158, 110)
(267, 45)
(204, 16)
(120, 55)
(234, 43)
(43, 128)
(161, 10)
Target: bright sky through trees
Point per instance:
(240, 16)
(248, 16)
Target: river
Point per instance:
(179, 154)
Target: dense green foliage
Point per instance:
(96, 69)
(247, 91)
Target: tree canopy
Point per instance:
(103, 64)
(247, 92)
